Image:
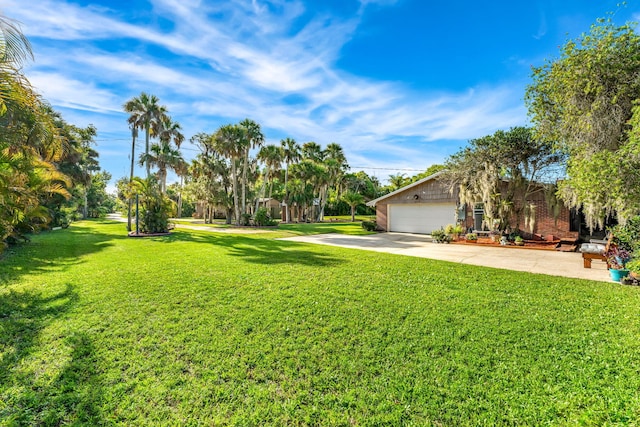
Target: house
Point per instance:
(273, 206)
(427, 205)
(421, 207)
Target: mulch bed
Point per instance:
(528, 244)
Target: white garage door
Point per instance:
(420, 218)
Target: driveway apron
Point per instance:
(554, 263)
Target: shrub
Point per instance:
(471, 236)
(262, 218)
(245, 219)
(634, 265)
(155, 208)
(370, 225)
(627, 236)
(440, 236)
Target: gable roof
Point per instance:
(373, 202)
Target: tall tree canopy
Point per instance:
(584, 103)
(502, 171)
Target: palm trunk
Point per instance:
(133, 153)
(323, 202)
(353, 213)
(244, 181)
(146, 146)
(286, 193)
(162, 174)
(234, 178)
(264, 188)
(180, 197)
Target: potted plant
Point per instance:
(617, 259)
(495, 235)
(471, 238)
(518, 240)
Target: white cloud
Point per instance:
(224, 61)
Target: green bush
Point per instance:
(262, 218)
(627, 236)
(155, 208)
(370, 225)
(440, 236)
(471, 236)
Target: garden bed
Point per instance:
(528, 244)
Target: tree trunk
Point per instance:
(264, 188)
(244, 180)
(84, 209)
(234, 178)
(323, 202)
(180, 197)
(162, 174)
(286, 193)
(353, 213)
(146, 146)
(229, 213)
(133, 153)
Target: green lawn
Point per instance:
(292, 229)
(217, 329)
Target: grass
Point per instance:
(291, 229)
(217, 329)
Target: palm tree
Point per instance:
(397, 180)
(15, 50)
(353, 199)
(290, 154)
(255, 139)
(145, 112)
(271, 156)
(163, 156)
(30, 143)
(230, 141)
(169, 130)
(336, 164)
(312, 151)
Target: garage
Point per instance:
(420, 218)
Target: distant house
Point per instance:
(220, 211)
(428, 205)
(273, 207)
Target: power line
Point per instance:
(387, 169)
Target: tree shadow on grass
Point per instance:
(278, 252)
(53, 251)
(258, 249)
(70, 397)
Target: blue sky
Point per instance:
(400, 84)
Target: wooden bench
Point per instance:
(587, 257)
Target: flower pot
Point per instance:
(616, 275)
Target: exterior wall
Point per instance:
(545, 223)
(428, 192)
(381, 217)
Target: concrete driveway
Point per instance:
(566, 264)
